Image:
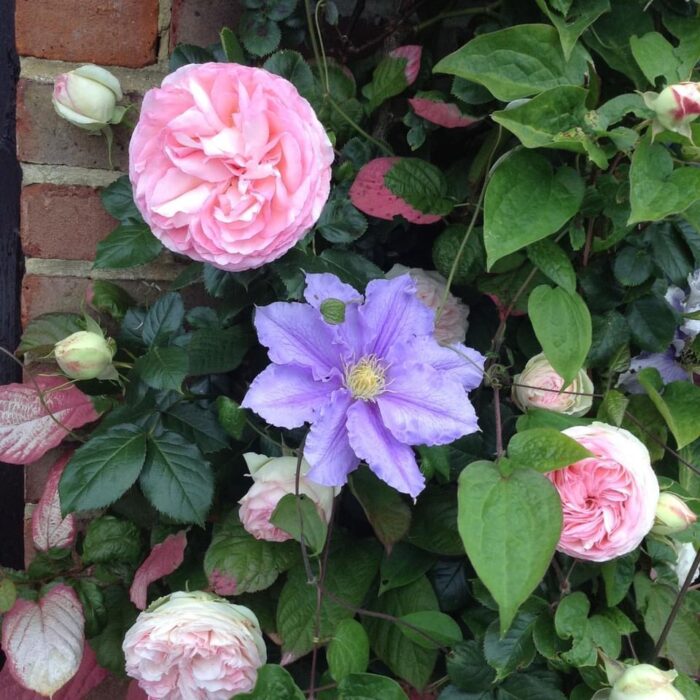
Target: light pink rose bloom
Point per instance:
(194, 646)
(274, 478)
(229, 164)
(676, 106)
(539, 386)
(430, 289)
(412, 53)
(609, 500)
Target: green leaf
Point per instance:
(8, 595)
(198, 425)
(296, 513)
(402, 566)
(523, 686)
(679, 405)
(657, 190)
(434, 522)
(609, 333)
(524, 188)
(163, 368)
(387, 512)
(515, 649)
(579, 16)
(368, 686)
(163, 319)
(652, 323)
(467, 667)
(107, 645)
(671, 252)
(656, 57)
(407, 660)
(433, 629)
(273, 682)
(572, 615)
(128, 245)
(103, 468)
(617, 577)
(292, 66)
(233, 51)
(348, 650)
(552, 261)
(445, 250)
(184, 54)
(217, 350)
(110, 298)
(118, 200)
(260, 35)
(176, 478)
(562, 324)
(545, 449)
(388, 80)
(510, 528)
(44, 331)
(341, 222)
(232, 417)
(633, 266)
(251, 565)
(109, 539)
(613, 407)
(517, 62)
(421, 184)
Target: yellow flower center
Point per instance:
(366, 379)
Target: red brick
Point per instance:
(107, 32)
(41, 295)
(200, 21)
(62, 221)
(44, 137)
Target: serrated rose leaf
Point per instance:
(371, 196)
(44, 641)
(164, 558)
(49, 528)
(445, 114)
(27, 430)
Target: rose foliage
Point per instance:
(419, 416)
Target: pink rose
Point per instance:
(430, 289)
(272, 480)
(609, 500)
(194, 646)
(676, 107)
(229, 164)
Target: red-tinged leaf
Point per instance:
(44, 641)
(222, 583)
(49, 529)
(445, 114)
(164, 558)
(135, 692)
(412, 53)
(27, 430)
(371, 196)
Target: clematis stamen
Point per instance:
(366, 379)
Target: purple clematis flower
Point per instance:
(370, 386)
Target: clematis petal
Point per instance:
(394, 313)
(665, 362)
(327, 448)
(391, 460)
(424, 407)
(320, 287)
(296, 334)
(287, 396)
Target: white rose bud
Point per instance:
(274, 478)
(675, 106)
(86, 355)
(645, 682)
(539, 386)
(672, 515)
(87, 97)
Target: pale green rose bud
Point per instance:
(672, 515)
(333, 311)
(539, 386)
(86, 355)
(675, 106)
(645, 682)
(87, 97)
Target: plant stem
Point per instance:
(485, 10)
(382, 146)
(497, 418)
(312, 34)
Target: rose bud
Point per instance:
(672, 515)
(87, 97)
(645, 682)
(194, 645)
(539, 386)
(86, 355)
(675, 106)
(274, 478)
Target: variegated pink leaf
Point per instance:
(371, 196)
(164, 558)
(44, 641)
(445, 114)
(412, 53)
(27, 430)
(49, 529)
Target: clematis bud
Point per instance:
(333, 311)
(87, 97)
(675, 106)
(672, 515)
(86, 355)
(645, 682)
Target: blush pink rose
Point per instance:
(608, 500)
(274, 478)
(229, 164)
(195, 646)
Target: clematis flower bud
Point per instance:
(676, 106)
(87, 97)
(672, 515)
(86, 355)
(645, 682)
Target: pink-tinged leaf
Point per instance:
(445, 114)
(44, 641)
(222, 583)
(371, 196)
(412, 53)
(503, 309)
(27, 430)
(135, 692)
(164, 558)
(49, 529)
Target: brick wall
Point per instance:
(63, 167)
